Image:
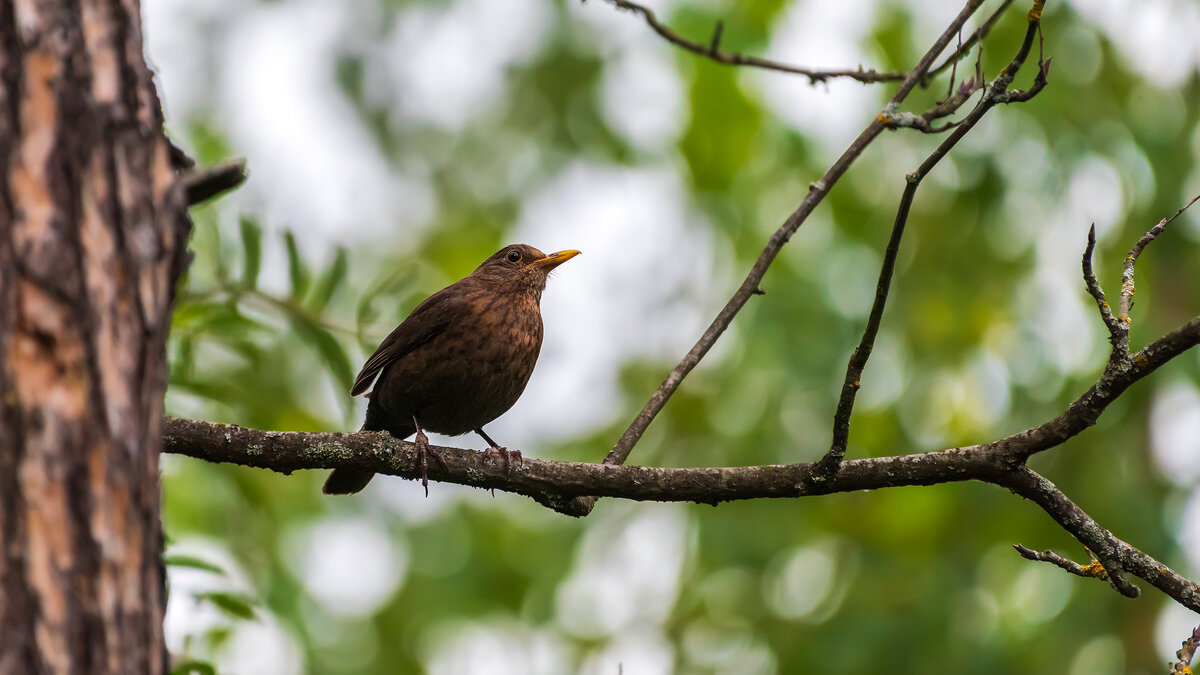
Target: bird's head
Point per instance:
(519, 267)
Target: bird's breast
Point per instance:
(476, 369)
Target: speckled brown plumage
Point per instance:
(462, 358)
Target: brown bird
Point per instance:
(460, 360)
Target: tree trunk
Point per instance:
(92, 236)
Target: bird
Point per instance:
(461, 359)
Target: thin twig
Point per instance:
(946, 107)
(1107, 548)
(711, 51)
(1122, 556)
(954, 68)
(1093, 570)
(964, 48)
(814, 75)
(715, 45)
(858, 360)
(1093, 287)
(1183, 663)
(1134, 253)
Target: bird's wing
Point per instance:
(430, 318)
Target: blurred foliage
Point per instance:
(912, 580)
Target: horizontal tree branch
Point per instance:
(571, 487)
(556, 484)
(564, 486)
(551, 482)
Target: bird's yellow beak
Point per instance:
(555, 259)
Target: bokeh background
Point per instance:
(393, 145)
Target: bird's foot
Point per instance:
(509, 457)
(424, 452)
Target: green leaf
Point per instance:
(366, 314)
(330, 280)
(208, 142)
(213, 391)
(391, 284)
(252, 250)
(218, 637)
(221, 267)
(185, 358)
(233, 604)
(194, 667)
(191, 311)
(192, 562)
(297, 269)
(328, 347)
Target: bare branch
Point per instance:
(995, 93)
(1132, 257)
(1176, 586)
(550, 482)
(556, 484)
(923, 122)
(1039, 83)
(711, 51)
(1093, 570)
(207, 183)
(858, 360)
(1120, 555)
(1183, 664)
(964, 48)
(1086, 410)
(1106, 547)
(750, 286)
(1093, 287)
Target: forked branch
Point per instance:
(995, 92)
(775, 244)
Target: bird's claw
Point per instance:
(508, 456)
(424, 452)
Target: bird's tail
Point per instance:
(347, 481)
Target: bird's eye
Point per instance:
(514, 256)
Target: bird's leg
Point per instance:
(504, 452)
(424, 452)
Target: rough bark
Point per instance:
(91, 243)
